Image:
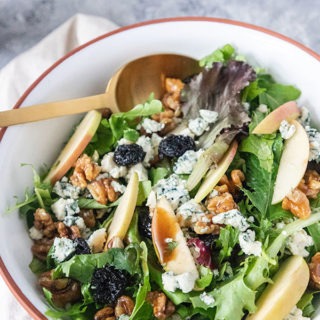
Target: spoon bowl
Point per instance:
(130, 85)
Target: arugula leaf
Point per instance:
(93, 204)
(228, 238)
(220, 55)
(258, 270)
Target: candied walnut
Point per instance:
(314, 267)
(171, 104)
(235, 182)
(88, 217)
(237, 177)
(221, 203)
(162, 306)
(222, 188)
(124, 306)
(64, 231)
(106, 313)
(298, 203)
(64, 290)
(85, 170)
(310, 184)
(205, 225)
(40, 248)
(102, 191)
(43, 222)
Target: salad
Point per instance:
(201, 205)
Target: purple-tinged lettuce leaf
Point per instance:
(219, 89)
(201, 252)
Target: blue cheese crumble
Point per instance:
(263, 108)
(109, 166)
(146, 144)
(185, 281)
(209, 115)
(248, 244)
(232, 218)
(314, 142)
(140, 170)
(65, 207)
(173, 189)
(286, 129)
(150, 125)
(198, 126)
(186, 162)
(298, 242)
(64, 189)
(189, 212)
(305, 117)
(62, 249)
(207, 299)
(296, 314)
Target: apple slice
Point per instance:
(214, 175)
(280, 296)
(169, 242)
(293, 163)
(75, 146)
(124, 212)
(271, 123)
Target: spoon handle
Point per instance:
(50, 110)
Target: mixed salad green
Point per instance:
(169, 211)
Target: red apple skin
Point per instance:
(75, 146)
(271, 123)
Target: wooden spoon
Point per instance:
(130, 85)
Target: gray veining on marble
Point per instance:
(23, 23)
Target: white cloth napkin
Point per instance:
(20, 73)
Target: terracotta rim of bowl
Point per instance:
(20, 296)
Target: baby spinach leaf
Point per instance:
(277, 94)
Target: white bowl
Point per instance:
(86, 71)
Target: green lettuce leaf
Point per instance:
(144, 191)
(81, 267)
(220, 55)
(262, 156)
(143, 309)
(228, 238)
(239, 297)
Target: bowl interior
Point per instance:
(87, 71)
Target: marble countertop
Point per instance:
(24, 23)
